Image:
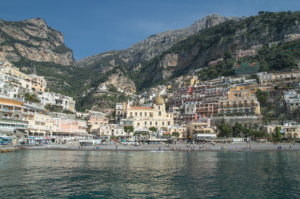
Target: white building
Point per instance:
(292, 99)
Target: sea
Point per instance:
(105, 174)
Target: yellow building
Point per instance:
(182, 130)
(194, 81)
(288, 130)
(14, 75)
(142, 118)
(11, 109)
(39, 83)
(248, 89)
(239, 101)
(201, 126)
(18, 78)
(39, 124)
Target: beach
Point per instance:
(171, 147)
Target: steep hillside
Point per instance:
(129, 61)
(209, 44)
(150, 47)
(33, 40)
(156, 60)
(33, 44)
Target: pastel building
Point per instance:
(287, 129)
(12, 115)
(241, 102)
(142, 118)
(269, 78)
(96, 121)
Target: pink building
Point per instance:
(69, 127)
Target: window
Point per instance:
(163, 123)
(145, 123)
(135, 113)
(130, 113)
(141, 114)
(156, 123)
(159, 113)
(145, 113)
(158, 107)
(150, 123)
(169, 123)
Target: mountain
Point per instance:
(33, 40)
(147, 49)
(158, 59)
(31, 44)
(124, 63)
(212, 43)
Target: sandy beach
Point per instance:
(173, 147)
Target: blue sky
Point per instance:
(95, 26)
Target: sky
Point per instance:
(96, 26)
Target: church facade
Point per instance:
(142, 118)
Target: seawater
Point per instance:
(99, 174)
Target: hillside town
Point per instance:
(188, 110)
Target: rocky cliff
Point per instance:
(147, 49)
(33, 40)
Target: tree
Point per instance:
(128, 129)
(277, 134)
(238, 130)
(153, 129)
(175, 134)
(296, 114)
(142, 134)
(282, 61)
(262, 97)
(31, 98)
(228, 55)
(225, 130)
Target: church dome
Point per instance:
(159, 101)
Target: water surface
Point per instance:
(99, 174)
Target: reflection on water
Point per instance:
(94, 174)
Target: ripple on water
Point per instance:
(80, 174)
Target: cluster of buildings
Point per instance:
(218, 97)
(187, 109)
(22, 117)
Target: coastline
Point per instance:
(238, 147)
